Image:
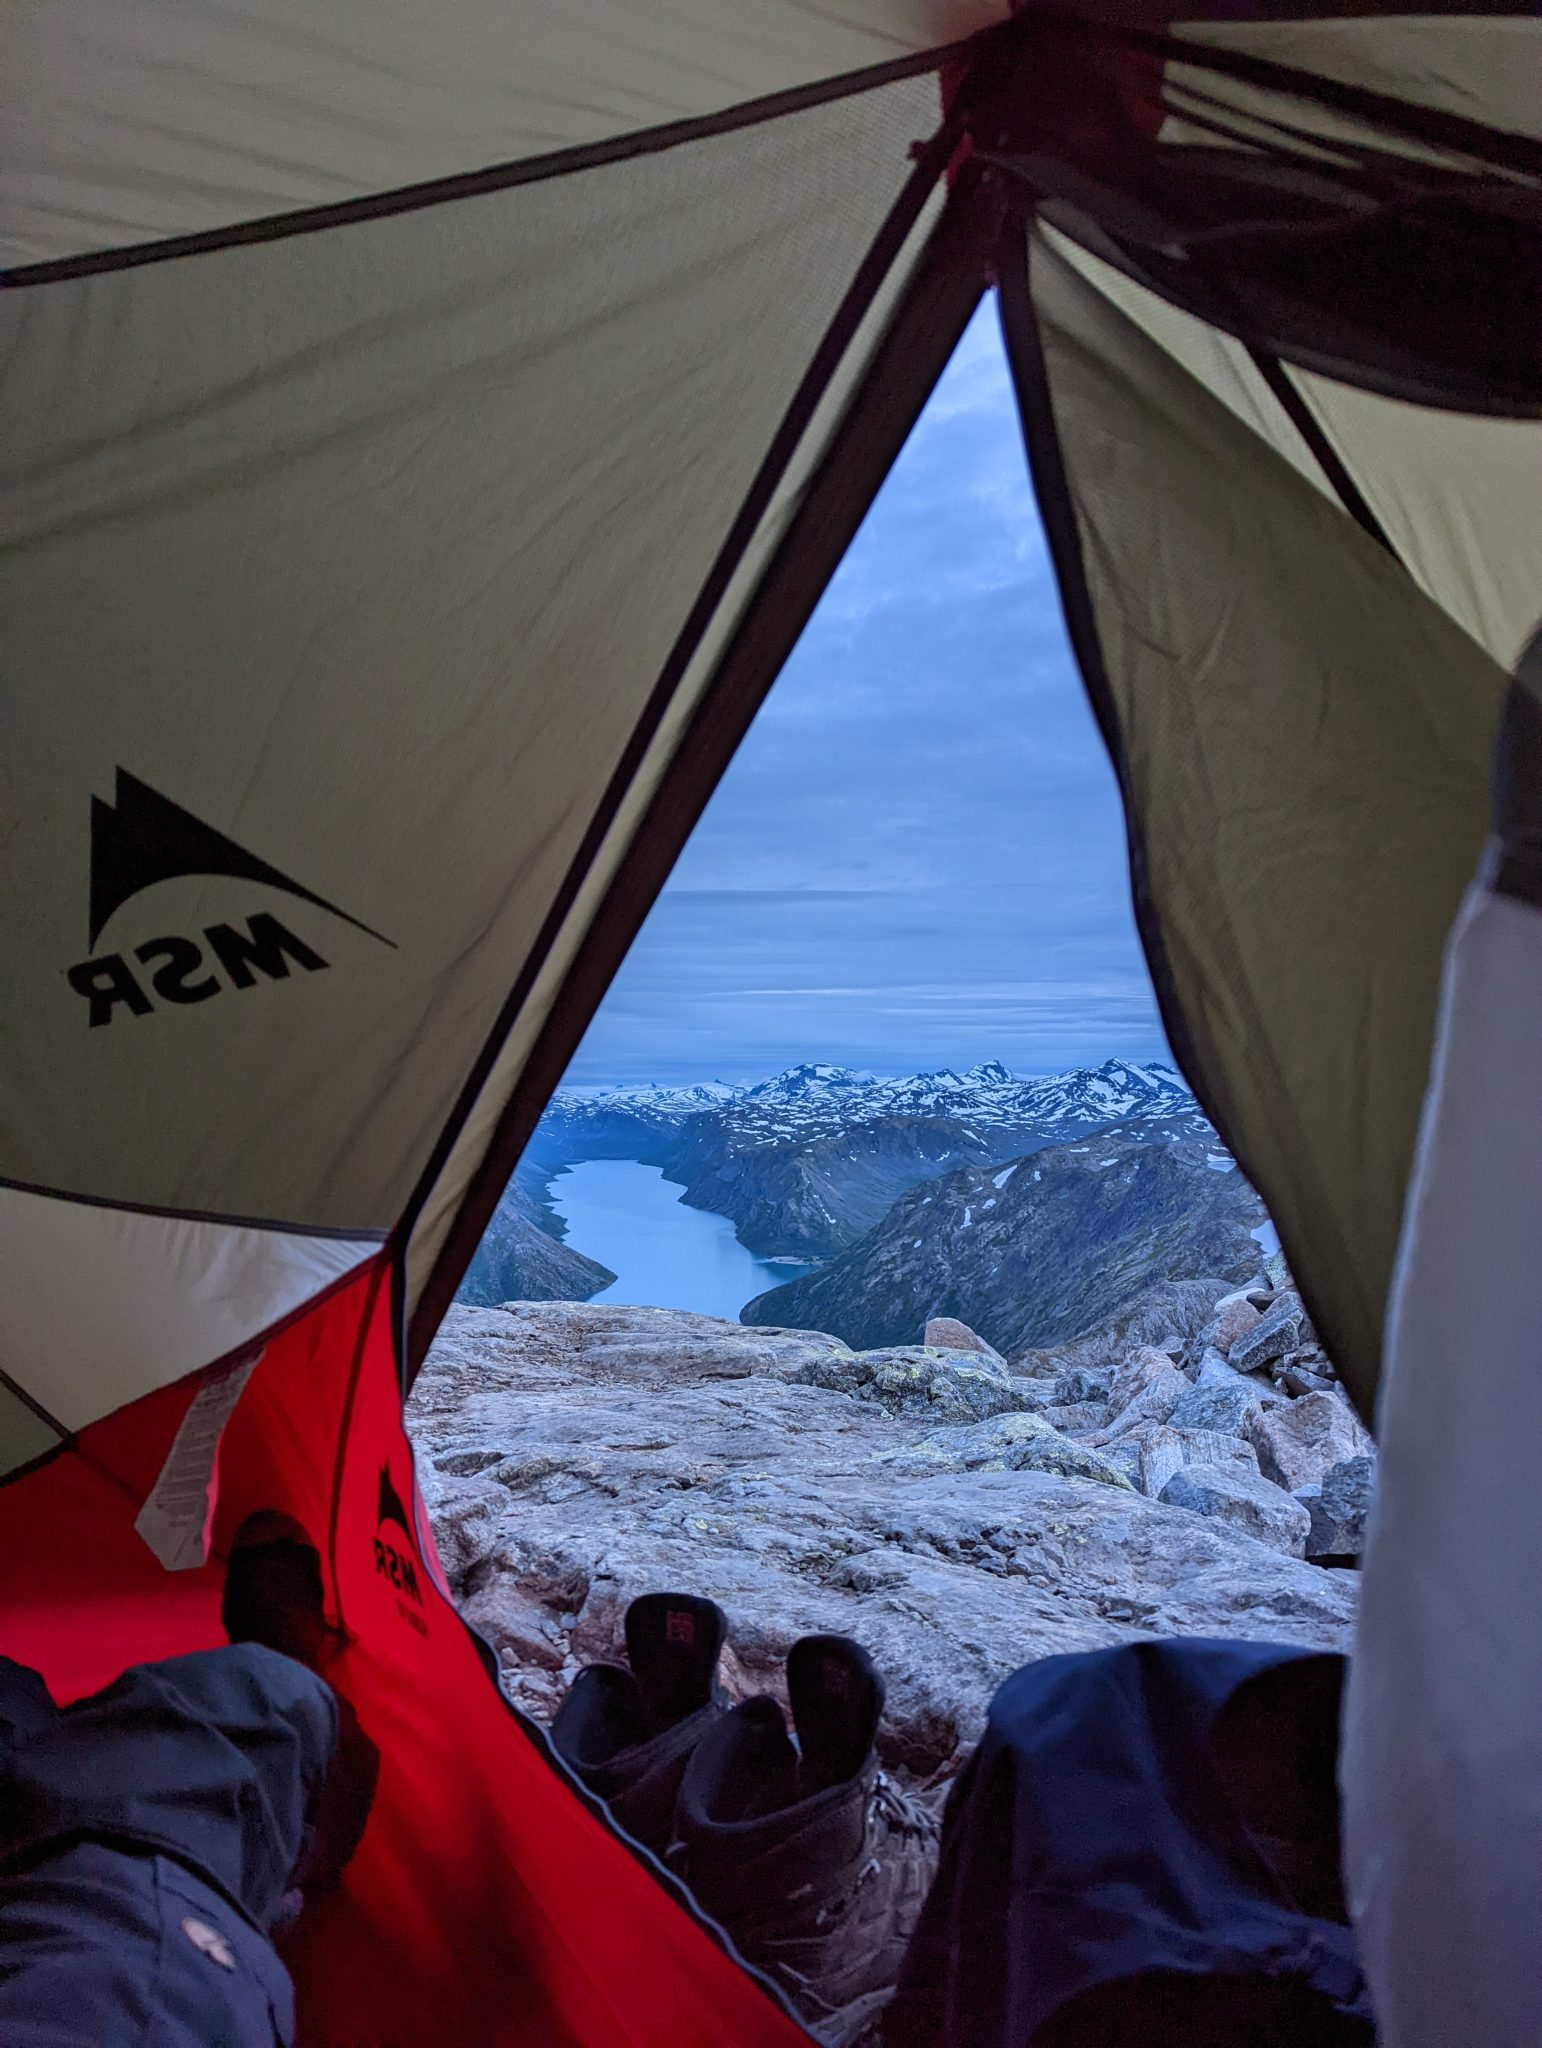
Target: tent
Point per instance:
(426, 433)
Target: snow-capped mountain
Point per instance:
(809, 1098)
(808, 1160)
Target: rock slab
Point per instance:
(1299, 1441)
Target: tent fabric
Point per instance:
(391, 432)
(117, 1302)
(1303, 740)
(1443, 1825)
(423, 440)
(471, 1819)
(276, 112)
(1454, 497)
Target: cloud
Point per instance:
(917, 857)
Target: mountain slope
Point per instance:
(1042, 1250)
(520, 1260)
(807, 1162)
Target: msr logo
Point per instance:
(143, 838)
(397, 1557)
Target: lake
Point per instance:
(663, 1254)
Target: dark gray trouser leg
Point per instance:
(26, 1704)
(107, 1948)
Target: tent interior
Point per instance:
(425, 439)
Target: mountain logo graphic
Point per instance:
(142, 838)
(392, 1507)
(397, 1560)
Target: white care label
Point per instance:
(178, 1513)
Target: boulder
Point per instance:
(1300, 1379)
(947, 1333)
(1076, 1418)
(1235, 1318)
(914, 1381)
(1081, 1383)
(1298, 1441)
(1245, 1502)
(1212, 1369)
(1154, 1401)
(1222, 1405)
(1007, 1443)
(1037, 1394)
(1145, 1363)
(1151, 1453)
(1281, 1328)
(1339, 1508)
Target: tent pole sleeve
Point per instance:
(922, 333)
(501, 177)
(1052, 491)
(1324, 454)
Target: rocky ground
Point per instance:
(956, 1514)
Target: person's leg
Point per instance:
(26, 1704)
(104, 1948)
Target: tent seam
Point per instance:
(500, 177)
(280, 1227)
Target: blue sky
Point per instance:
(917, 857)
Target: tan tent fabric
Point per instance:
(131, 124)
(24, 1434)
(1304, 739)
(366, 549)
(1460, 498)
(374, 564)
(1479, 65)
(102, 1305)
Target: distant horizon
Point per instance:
(919, 850)
(749, 1078)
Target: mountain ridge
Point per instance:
(807, 1161)
(1042, 1249)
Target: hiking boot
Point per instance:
(808, 1857)
(628, 1733)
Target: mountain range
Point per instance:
(809, 1161)
(1038, 1251)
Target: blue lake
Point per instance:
(663, 1254)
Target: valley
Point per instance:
(878, 1201)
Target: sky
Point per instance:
(916, 858)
